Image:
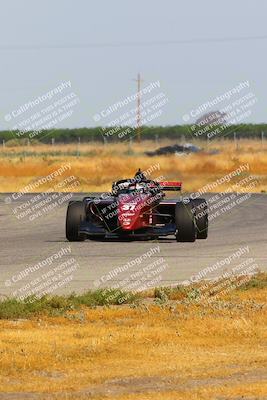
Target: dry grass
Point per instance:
(99, 165)
(175, 351)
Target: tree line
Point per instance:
(176, 132)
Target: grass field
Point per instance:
(154, 349)
(97, 165)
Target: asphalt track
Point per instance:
(26, 243)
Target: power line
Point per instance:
(131, 44)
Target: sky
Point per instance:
(190, 47)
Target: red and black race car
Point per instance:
(137, 208)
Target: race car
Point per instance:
(137, 208)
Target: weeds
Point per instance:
(58, 305)
(12, 308)
(258, 281)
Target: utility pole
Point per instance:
(138, 113)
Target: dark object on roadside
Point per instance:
(176, 148)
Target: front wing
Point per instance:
(90, 229)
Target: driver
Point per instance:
(140, 176)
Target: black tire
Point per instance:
(201, 218)
(185, 222)
(75, 214)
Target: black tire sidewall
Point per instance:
(185, 222)
(75, 214)
(201, 221)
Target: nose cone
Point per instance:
(130, 208)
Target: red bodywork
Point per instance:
(134, 208)
(133, 211)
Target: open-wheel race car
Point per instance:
(137, 208)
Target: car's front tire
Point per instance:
(185, 222)
(75, 215)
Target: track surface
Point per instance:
(24, 243)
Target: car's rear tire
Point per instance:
(75, 215)
(185, 222)
(201, 218)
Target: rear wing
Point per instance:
(170, 186)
